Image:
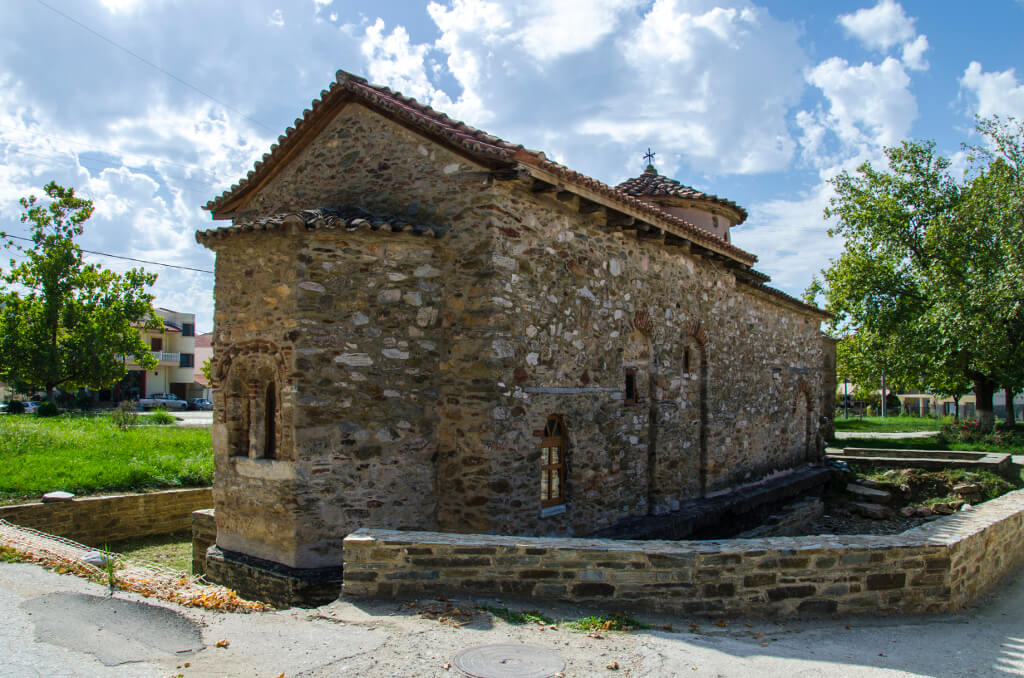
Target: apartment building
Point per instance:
(174, 347)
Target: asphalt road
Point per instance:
(55, 625)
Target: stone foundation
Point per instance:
(279, 585)
(938, 567)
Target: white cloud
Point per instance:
(121, 6)
(996, 92)
(913, 54)
(276, 18)
(880, 27)
(393, 60)
(868, 104)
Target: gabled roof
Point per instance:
(652, 184)
(483, 148)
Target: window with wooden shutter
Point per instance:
(552, 463)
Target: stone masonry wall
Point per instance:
(416, 373)
(939, 567)
(204, 535)
(729, 381)
(383, 332)
(94, 521)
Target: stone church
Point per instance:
(421, 326)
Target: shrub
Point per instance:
(15, 407)
(47, 408)
(124, 415)
(160, 416)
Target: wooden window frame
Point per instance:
(553, 441)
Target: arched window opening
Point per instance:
(630, 396)
(270, 443)
(552, 463)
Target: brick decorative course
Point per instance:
(938, 567)
(97, 520)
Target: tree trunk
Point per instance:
(49, 393)
(983, 390)
(1011, 416)
(956, 409)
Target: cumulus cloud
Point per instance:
(568, 76)
(868, 104)
(994, 93)
(885, 26)
(913, 54)
(880, 27)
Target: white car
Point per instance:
(168, 401)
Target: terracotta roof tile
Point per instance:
(485, 147)
(650, 183)
(327, 218)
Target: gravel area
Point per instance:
(839, 520)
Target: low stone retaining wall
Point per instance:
(938, 567)
(94, 521)
(204, 535)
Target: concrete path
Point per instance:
(193, 418)
(57, 625)
(840, 435)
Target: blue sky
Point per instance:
(759, 102)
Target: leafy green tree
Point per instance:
(65, 323)
(928, 287)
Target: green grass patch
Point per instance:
(520, 617)
(1009, 444)
(173, 550)
(89, 455)
(888, 424)
(615, 622)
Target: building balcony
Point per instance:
(163, 359)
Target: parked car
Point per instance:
(168, 401)
(200, 404)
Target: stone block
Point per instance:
(885, 581)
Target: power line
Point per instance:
(118, 256)
(152, 65)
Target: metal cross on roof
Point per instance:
(649, 156)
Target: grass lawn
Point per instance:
(173, 550)
(90, 455)
(1012, 444)
(889, 424)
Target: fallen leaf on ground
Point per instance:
(594, 634)
(222, 643)
(614, 666)
(720, 623)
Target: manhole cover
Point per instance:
(509, 661)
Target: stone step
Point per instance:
(869, 493)
(868, 510)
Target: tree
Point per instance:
(928, 283)
(65, 323)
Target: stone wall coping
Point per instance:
(107, 497)
(945, 531)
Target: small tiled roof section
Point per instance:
(324, 218)
(779, 294)
(485, 148)
(204, 340)
(650, 183)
